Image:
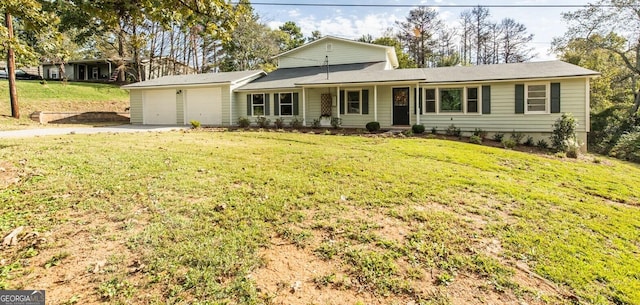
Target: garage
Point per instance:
(203, 105)
(159, 107)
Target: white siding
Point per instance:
(503, 117)
(342, 52)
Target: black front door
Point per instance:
(400, 106)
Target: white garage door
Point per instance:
(204, 105)
(159, 107)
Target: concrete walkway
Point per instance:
(26, 133)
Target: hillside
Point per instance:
(288, 218)
(55, 96)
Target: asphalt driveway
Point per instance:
(26, 133)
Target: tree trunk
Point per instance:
(11, 69)
(122, 65)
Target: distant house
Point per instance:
(358, 83)
(104, 69)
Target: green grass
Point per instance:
(211, 201)
(56, 96)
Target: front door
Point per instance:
(400, 106)
(81, 72)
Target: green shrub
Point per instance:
(529, 141)
(336, 122)
(508, 143)
(407, 132)
(628, 146)
(296, 123)
(373, 126)
(498, 136)
(475, 139)
(434, 130)
(417, 128)
(195, 124)
(573, 148)
(278, 123)
(542, 144)
(480, 133)
(517, 136)
(564, 131)
(262, 122)
(450, 130)
(243, 122)
(316, 123)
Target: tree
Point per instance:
(315, 35)
(609, 98)
(292, 37)
(252, 46)
(29, 14)
(513, 43)
(417, 33)
(600, 25)
(480, 26)
(404, 61)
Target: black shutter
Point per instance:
(249, 104)
(486, 99)
(340, 101)
(295, 104)
(555, 97)
(276, 104)
(266, 104)
(519, 98)
(365, 101)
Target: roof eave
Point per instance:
(129, 87)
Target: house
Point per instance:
(105, 69)
(359, 83)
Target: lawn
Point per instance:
(56, 96)
(267, 218)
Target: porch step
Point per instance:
(114, 75)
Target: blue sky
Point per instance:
(353, 22)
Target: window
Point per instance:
(451, 100)
(353, 102)
(430, 98)
(257, 104)
(536, 98)
(286, 103)
(472, 100)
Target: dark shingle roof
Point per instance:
(497, 72)
(289, 77)
(196, 79)
(515, 71)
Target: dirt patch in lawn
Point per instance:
(9, 174)
(72, 260)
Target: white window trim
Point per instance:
(478, 100)
(280, 104)
(547, 97)
(464, 97)
(346, 105)
(264, 104)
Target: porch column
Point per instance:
(375, 103)
(418, 103)
(338, 102)
(304, 107)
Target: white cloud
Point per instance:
(294, 13)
